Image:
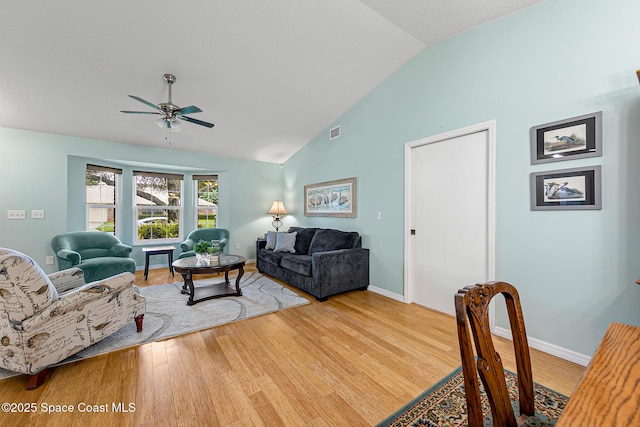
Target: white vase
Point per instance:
(202, 259)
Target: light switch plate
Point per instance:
(37, 214)
(16, 214)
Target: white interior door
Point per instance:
(450, 218)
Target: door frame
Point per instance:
(490, 128)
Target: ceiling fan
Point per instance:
(169, 111)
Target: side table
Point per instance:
(158, 250)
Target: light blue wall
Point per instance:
(43, 171)
(562, 58)
(559, 59)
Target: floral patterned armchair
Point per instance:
(46, 318)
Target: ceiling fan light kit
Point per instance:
(172, 124)
(169, 111)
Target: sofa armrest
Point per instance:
(340, 270)
(187, 245)
(261, 244)
(76, 298)
(68, 255)
(67, 279)
(121, 250)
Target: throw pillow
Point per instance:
(285, 242)
(271, 240)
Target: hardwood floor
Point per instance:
(350, 361)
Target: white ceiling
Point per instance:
(269, 74)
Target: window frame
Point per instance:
(116, 206)
(196, 207)
(179, 208)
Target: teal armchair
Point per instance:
(207, 234)
(99, 255)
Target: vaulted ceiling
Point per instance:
(270, 74)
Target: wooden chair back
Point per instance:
(472, 314)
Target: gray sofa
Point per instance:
(326, 262)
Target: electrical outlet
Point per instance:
(49, 260)
(237, 245)
(16, 214)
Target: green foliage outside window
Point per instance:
(207, 202)
(158, 231)
(206, 221)
(107, 227)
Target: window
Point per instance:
(101, 198)
(158, 206)
(206, 208)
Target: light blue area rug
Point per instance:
(168, 315)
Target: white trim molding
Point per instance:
(546, 347)
(386, 293)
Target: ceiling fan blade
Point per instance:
(139, 112)
(189, 110)
(137, 98)
(196, 121)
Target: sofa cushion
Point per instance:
(271, 257)
(95, 269)
(300, 264)
(285, 242)
(303, 239)
(331, 240)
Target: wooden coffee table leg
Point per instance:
(188, 281)
(184, 286)
(240, 273)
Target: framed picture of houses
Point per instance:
(332, 198)
(566, 189)
(568, 139)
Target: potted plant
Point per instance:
(201, 248)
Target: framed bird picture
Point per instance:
(568, 139)
(567, 189)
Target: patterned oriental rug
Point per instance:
(168, 315)
(444, 404)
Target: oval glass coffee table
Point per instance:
(190, 266)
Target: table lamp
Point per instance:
(277, 211)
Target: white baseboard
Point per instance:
(386, 293)
(552, 349)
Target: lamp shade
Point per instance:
(277, 208)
